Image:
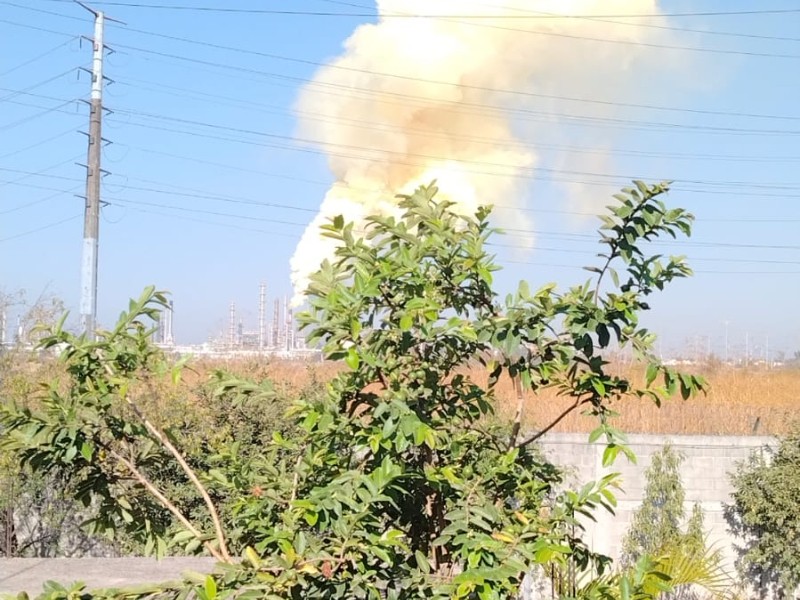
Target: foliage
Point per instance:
(765, 514)
(658, 520)
(680, 571)
(694, 540)
(394, 484)
(36, 517)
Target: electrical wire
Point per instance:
(29, 118)
(38, 56)
(42, 228)
(220, 9)
(459, 85)
(369, 125)
(215, 223)
(510, 170)
(33, 86)
(39, 143)
(525, 234)
(39, 201)
(36, 28)
(122, 201)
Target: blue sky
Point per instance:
(208, 193)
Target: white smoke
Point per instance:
(411, 100)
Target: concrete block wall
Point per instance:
(708, 461)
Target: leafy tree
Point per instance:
(395, 484)
(657, 522)
(694, 540)
(765, 515)
(656, 531)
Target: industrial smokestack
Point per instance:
(289, 330)
(459, 95)
(169, 338)
(276, 325)
(232, 325)
(262, 316)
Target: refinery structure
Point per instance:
(276, 337)
(273, 334)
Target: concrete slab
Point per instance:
(29, 574)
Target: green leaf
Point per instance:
(406, 322)
(610, 454)
(422, 562)
(652, 373)
(352, 359)
(87, 451)
(210, 588)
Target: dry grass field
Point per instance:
(739, 401)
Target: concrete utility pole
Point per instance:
(91, 223)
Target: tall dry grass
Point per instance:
(739, 401)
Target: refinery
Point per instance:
(278, 338)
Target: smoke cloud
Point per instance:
(411, 100)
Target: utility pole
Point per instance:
(91, 223)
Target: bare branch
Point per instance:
(517, 384)
(164, 441)
(529, 440)
(165, 502)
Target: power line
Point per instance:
(38, 56)
(39, 84)
(42, 228)
(41, 172)
(39, 201)
(200, 194)
(704, 50)
(324, 118)
(419, 79)
(522, 175)
(29, 118)
(205, 212)
(515, 233)
(197, 194)
(540, 15)
(605, 19)
(433, 16)
(427, 157)
(696, 271)
(39, 143)
(215, 223)
(36, 28)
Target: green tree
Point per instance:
(695, 537)
(657, 531)
(396, 484)
(657, 522)
(765, 515)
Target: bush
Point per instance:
(393, 483)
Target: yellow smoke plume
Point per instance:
(415, 99)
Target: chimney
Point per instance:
(232, 326)
(262, 316)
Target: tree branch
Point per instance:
(165, 502)
(578, 402)
(517, 384)
(164, 441)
